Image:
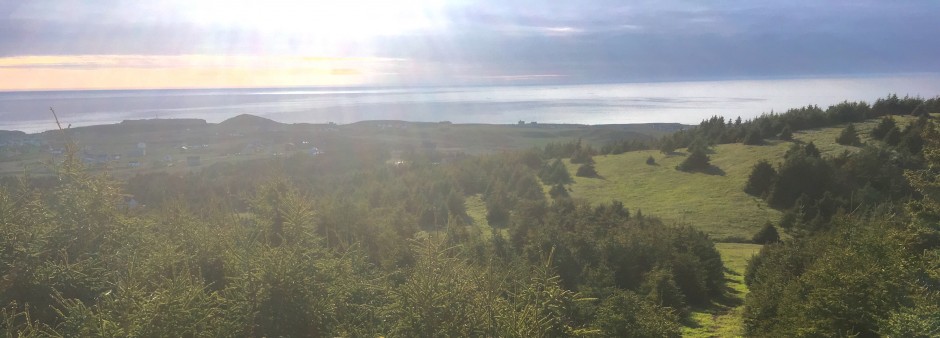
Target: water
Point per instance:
(683, 102)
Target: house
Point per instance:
(193, 161)
(133, 164)
(314, 151)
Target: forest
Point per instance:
(348, 243)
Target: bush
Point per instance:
(696, 161)
(558, 191)
(586, 170)
(650, 160)
(667, 146)
(753, 137)
(767, 234)
(582, 156)
(786, 134)
(555, 173)
(881, 130)
(849, 136)
(625, 314)
(893, 137)
(761, 179)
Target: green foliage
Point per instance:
(582, 157)
(586, 170)
(625, 314)
(849, 136)
(893, 137)
(555, 173)
(660, 288)
(886, 124)
(558, 191)
(761, 179)
(696, 161)
(667, 146)
(768, 234)
(868, 275)
(786, 134)
(753, 137)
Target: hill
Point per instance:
(713, 202)
(248, 122)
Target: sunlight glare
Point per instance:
(332, 19)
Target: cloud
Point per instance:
(585, 40)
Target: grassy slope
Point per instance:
(713, 202)
(724, 320)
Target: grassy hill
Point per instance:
(713, 202)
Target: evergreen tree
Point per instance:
(753, 137)
(761, 179)
(555, 173)
(849, 136)
(667, 146)
(893, 137)
(767, 234)
(586, 170)
(786, 134)
(558, 191)
(884, 126)
(811, 150)
(696, 161)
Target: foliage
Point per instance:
(866, 274)
(786, 134)
(558, 191)
(586, 170)
(768, 234)
(625, 314)
(555, 173)
(753, 137)
(849, 136)
(761, 179)
(696, 161)
(886, 124)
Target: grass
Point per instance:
(713, 202)
(724, 319)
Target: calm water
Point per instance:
(684, 102)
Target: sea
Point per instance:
(609, 103)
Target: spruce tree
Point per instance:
(761, 179)
(849, 136)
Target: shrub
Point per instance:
(650, 160)
(753, 137)
(849, 136)
(767, 234)
(558, 191)
(881, 130)
(586, 170)
(667, 146)
(625, 314)
(696, 161)
(786, 134)
(761, 179)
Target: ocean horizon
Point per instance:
(686, 102)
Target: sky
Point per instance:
(111, 44)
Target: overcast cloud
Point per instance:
(561, 40)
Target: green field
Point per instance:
(713, 202)
(724, 320)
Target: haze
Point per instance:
(47, 45)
